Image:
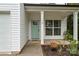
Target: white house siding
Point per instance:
(27, 25)
(4, 31)
(23, 27)
(63, 26)
(14, 40)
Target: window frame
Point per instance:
(53, 28)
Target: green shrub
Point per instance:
(73, 47)
(68, 36)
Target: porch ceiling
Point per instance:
(54, 15)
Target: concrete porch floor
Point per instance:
(33, 48)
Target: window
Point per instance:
(53, 27)
(49, 23)
(48, 31)
(57, 27)
(57, 31)
(57, 23)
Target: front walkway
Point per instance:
(33, 48)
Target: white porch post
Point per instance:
(75, 25)
(42, 28)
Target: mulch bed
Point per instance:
(47, 51)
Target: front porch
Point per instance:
(50, 24)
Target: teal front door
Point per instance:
(35, 29)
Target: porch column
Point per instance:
(75, 25)
(42, 28)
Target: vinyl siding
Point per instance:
(23, 27)
(4, 32)
(14, 30)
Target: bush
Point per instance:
(73, 47)
(68, 36)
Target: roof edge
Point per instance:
(52, 5)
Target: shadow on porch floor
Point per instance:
(32, 49)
